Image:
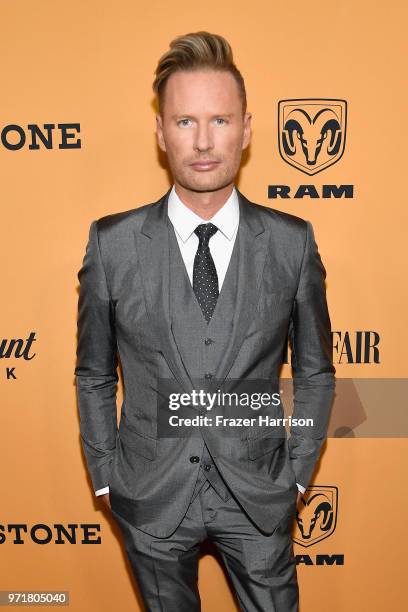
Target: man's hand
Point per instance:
(105, 500)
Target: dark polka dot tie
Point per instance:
(205, 279)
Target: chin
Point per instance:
(205, 183)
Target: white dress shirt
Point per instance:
(221, 244)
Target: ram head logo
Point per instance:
(312, 132)
(316, 516)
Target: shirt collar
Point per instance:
(185, 221)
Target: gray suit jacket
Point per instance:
(123, 312)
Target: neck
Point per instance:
(204, 203)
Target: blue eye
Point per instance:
(184, 122)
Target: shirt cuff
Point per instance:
(102, 491)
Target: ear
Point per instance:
(159, 132)
(247, 130)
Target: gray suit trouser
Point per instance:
(261, 567)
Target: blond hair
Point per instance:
(195, 51)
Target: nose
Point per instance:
(203, 138)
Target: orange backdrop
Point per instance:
(91, 63)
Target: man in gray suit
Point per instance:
(202, 287)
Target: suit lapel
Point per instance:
(153, 249)
(152, 244)
(252, 251)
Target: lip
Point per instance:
(204, 165)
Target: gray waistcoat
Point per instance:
(201, 345)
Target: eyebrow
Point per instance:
(187, 116)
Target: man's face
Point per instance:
(203, 122)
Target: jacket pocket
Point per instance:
(140, 443)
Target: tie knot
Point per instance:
(204, 231)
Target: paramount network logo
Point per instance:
(16, 348)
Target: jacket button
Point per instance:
(207, 467)
(208, 375)
(194, 459)
(208, 341)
